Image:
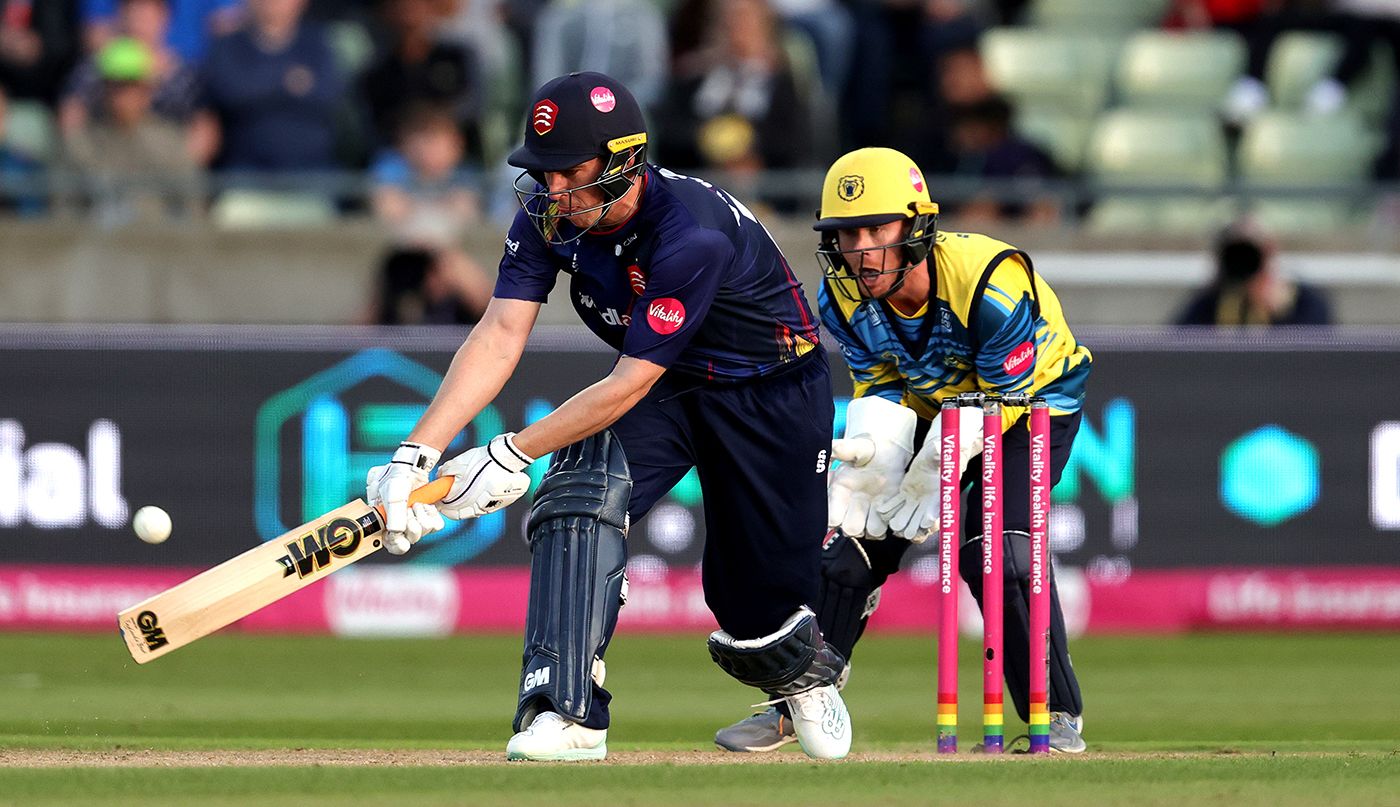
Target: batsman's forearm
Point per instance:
(479, 371)
(589, 412)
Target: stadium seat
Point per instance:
(801, 54)
(246, 209)
(1294, 216)
(1172, 215)
(1280, 148)
(1299, 59)
(1049, 69)
(29, 130)
(1155, 148)
(1135, 149)
(501, 122)
(1296, 151)
(1097, 15)
(1065, 135)
(1179, 70)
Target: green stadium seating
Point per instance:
(1172, 215)
(1131, 148)
(246, 209)
(1179, 70)
(1049, 69)
(1295, 216)
(1064, 135)
(1298, 59)
(1136, 147)
(1097, 15)
(1280, 148)
(29, 130)
(501, 125)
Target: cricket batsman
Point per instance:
(718, 368)
(922, 315)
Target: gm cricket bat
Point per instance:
(259, 577)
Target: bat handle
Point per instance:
(433, 492)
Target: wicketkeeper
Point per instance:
(922, 315)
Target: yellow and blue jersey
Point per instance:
(991, 325)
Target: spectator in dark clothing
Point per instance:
(421, 67)
(737, 107)
(1249, 290)
(272, 90)
(176, 87)
(985, 146)
(38, 43)
(193, 24)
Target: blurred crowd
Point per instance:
(138, 103)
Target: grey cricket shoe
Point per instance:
(1065, 733)
(768, 730)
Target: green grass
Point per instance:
(1267, 719)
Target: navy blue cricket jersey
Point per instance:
(692, 282)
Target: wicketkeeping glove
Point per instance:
(878, 444)
(913, 511)
(488, 478)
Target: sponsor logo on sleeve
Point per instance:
(544, 116)
(666, 315)
(1021, 359)
(602, 99)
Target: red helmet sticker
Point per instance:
(603, 99)
(916, 180)
(666, 315)
(637, 279)
(546, 112)
(1021, 358)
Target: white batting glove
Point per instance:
(878, 444)
(913, 511)
(389, 485)
(488, 478)
(423, 519)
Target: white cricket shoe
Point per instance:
(1066, 733)
(821, 721)
(552, 738)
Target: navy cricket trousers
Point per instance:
(761, 449)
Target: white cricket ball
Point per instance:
(152, 524)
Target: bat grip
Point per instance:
(433, 492)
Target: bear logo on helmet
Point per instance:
(850, 187)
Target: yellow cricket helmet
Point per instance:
(866, 188)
